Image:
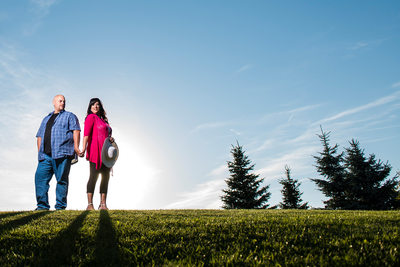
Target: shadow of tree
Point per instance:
(9, 214)
(107, 251)
(62, 248)
(22, 221)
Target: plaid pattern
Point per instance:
(62, 141)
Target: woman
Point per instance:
(96, 131)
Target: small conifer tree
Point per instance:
(244, 190)
(329, 165)
(290, 193)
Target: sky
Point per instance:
(183, 81)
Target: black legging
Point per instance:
(94, 174)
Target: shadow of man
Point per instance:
(62, 248)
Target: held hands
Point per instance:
(77, 151)
(81, 153)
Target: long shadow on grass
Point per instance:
(9, 214)
(21, 221)
(107, 251)
(60, 250)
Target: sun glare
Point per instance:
(133, 177)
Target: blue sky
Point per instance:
(181, 81)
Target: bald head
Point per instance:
(58, 103)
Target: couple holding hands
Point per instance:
(58, 141)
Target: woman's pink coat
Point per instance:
(97, 130)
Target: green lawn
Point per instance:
(200, 237)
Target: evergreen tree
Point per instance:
(369, 186)
(353, 181)
(329, 165)
(244, 190)
(291, 193)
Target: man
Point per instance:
(57, 141)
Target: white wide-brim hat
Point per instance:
(109, 153)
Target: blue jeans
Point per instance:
(44, 172)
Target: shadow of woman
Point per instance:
(107, 251)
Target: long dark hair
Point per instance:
(102, 113)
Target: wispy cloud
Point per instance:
(265, 145)
(300, 159)
(40, 9)
(235, 132)
(244, 68)
(304, 138)
(220, 171)
(291, 113)
(219, 124)
(379, 102)
(304, 108)
(206, 195)
(396, 85)
(211, 125)
(358, 45)
(43, 4)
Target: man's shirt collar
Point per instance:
(62, 111)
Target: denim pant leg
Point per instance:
(61, 169)
(43, 175)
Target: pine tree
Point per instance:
(243, 187)
(353, 181)
(291, 193)
(329, 165)
(369, 186)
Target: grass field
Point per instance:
(200, 237)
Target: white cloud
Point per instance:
(305, 138)
(373, 104)
(43, 4)
(266, 145)
(40, 9)
(235, 132)
(366, 44)
(396, 85)
(301, 109)
(219, 171)
(359, 45)
(298, 159)
(290, 113)
(206, 195)
(244, 68)
(210, 125)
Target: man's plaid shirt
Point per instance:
(62, 141)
